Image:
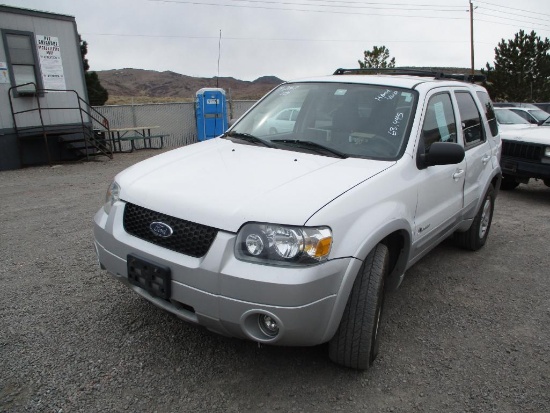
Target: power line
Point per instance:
(196, 3)
(508, 24)
(372, 3)
(356, 5)
(515, 20)
(512, 8)
(512, 14)
(273, 39)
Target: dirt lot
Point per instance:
(466, 332)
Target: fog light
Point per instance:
(268, 325)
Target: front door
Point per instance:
(440, 190)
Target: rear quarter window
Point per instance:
(489, 111)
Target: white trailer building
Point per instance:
(45, 116)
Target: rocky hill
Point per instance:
(140, 85)
(149, 86)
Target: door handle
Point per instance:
(485, 159)
(458, 174)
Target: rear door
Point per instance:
(477, 147)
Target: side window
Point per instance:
(439, 122)
(283, 115)
(489, 111)
(524, 115)
(22, 60)
(472, 128)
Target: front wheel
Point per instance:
(355, 344)
(476, 236)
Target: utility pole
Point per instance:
(472, 35)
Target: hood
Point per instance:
(538, 134)
(223, 184)
(504, 127)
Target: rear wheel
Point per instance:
(476, 236)
(547, 182)
(355, 344)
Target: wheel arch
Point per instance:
(398, 240)
(495, 181)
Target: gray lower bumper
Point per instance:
(229, 296)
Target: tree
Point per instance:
(97, 94)
(377, 59)
(521, 70)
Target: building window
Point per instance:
(22, 61)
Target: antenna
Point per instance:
(219, 53)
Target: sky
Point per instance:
(290, 39)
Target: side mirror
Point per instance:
(441, 153)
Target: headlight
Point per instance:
(112, 195)
(547, 151)
(283, 245)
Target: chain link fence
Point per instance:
(175, 120)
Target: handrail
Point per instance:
(44, 134)
(95, 118)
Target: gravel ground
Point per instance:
(466, 332)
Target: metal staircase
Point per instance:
(88, 136)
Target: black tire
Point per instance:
(547, 182)
(508, 183)
(355, 344)
(476, 236)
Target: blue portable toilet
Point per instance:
(211, 113)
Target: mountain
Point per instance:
(143, 86)
(149, 86)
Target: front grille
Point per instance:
(187, 238)
(522, 150)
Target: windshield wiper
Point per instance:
(311, 145)
(247, 137)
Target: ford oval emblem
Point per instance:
(160, 229)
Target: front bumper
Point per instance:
(228, 296)
(522, 168)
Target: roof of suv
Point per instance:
(396, 77)
(403, 81)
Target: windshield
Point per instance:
(333, 119)
(539, 114)
(507, 117)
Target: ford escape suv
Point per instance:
(293, 237)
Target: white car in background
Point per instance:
(509, 120)
(525, 155)
(533, 116)
(283, 121)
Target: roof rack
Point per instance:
(411, 72)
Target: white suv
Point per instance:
(293, 238)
